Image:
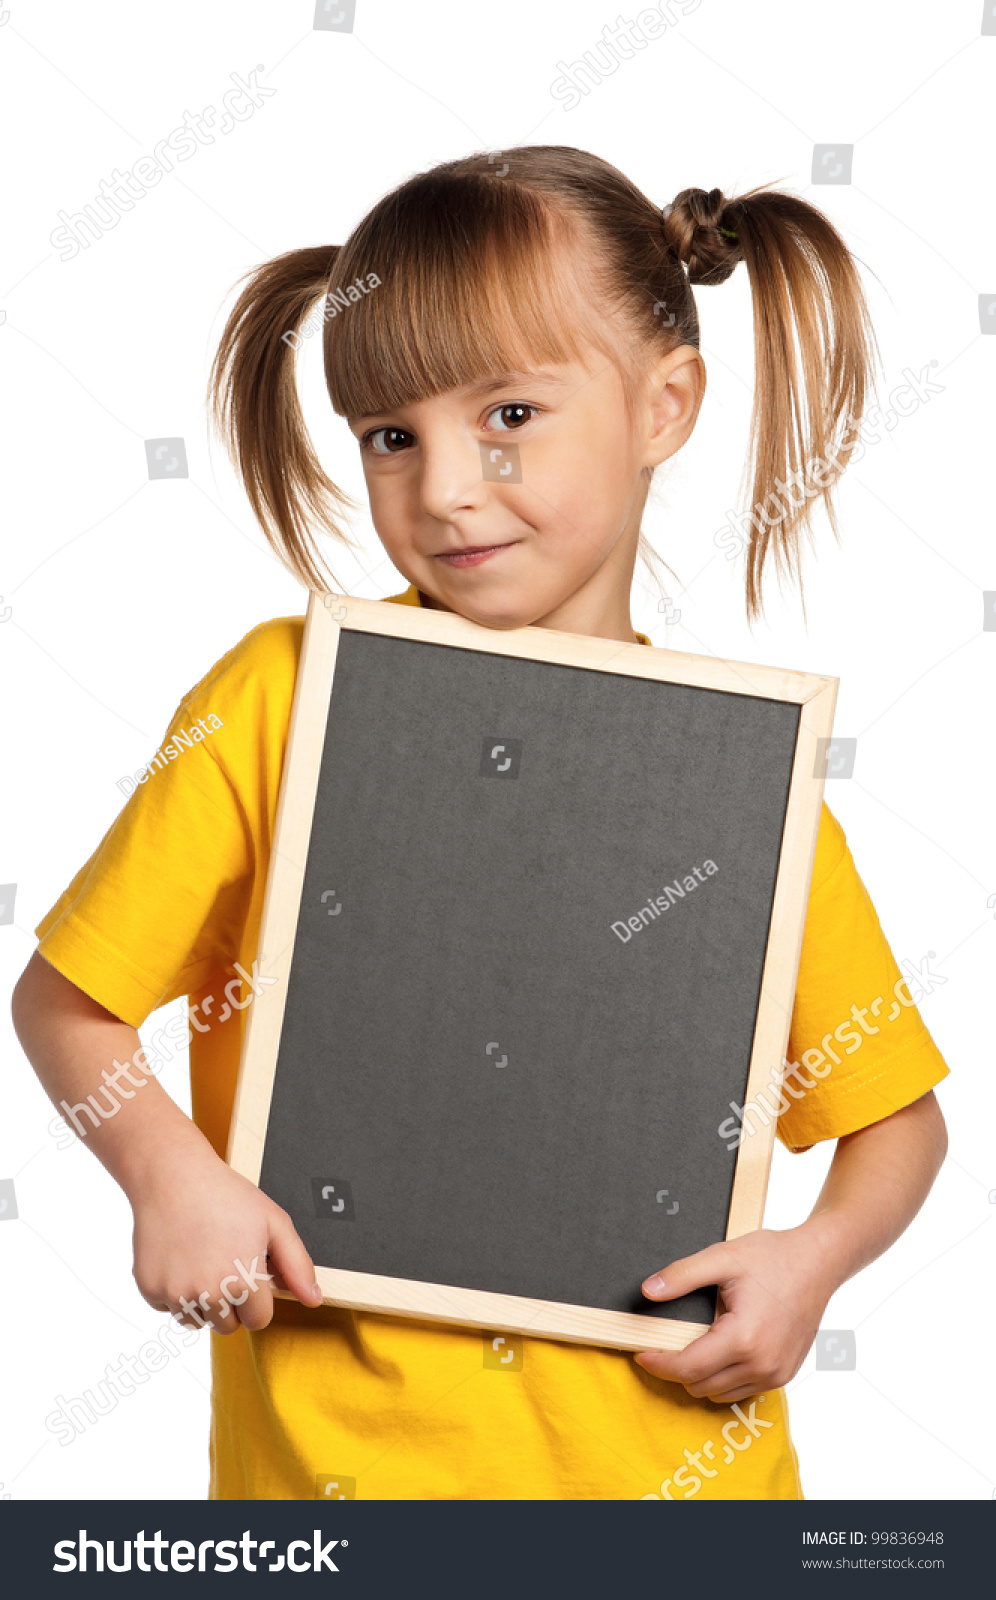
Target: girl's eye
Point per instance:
(387, 441)
(512, 416)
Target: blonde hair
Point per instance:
(470, 282)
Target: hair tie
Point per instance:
(666, 212)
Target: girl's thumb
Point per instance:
(289, 1257)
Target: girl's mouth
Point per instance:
(473, 555)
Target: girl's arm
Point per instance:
(196, 1221)
(774, 1287)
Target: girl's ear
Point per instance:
(676, 386)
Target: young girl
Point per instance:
(547, 306)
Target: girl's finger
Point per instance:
(743, 1391)
(712, 1265)
(181, 1318)
(224, 1318)
(289, 1260)
(715, 1386)
(714, 1352)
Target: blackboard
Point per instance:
(529, 951)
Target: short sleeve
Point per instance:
(164, 897)
(858, 1047)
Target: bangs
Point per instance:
(472, 283)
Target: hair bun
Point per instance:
(701, 227)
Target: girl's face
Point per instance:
(517, 500)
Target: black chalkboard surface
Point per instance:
(526, 966)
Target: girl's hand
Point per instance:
(210, 1245)
(773, 1290)
(774, 1287)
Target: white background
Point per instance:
(123, 592)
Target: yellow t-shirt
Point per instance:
(171, 900)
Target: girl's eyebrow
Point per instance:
(490, 385)
(502, 380)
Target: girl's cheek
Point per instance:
(581, 511)
(393, 508)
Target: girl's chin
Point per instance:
(493, 613)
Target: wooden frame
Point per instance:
(502, 1313)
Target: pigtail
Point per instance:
(255, 407)
(814, 355)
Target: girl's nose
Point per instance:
(452, 477)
